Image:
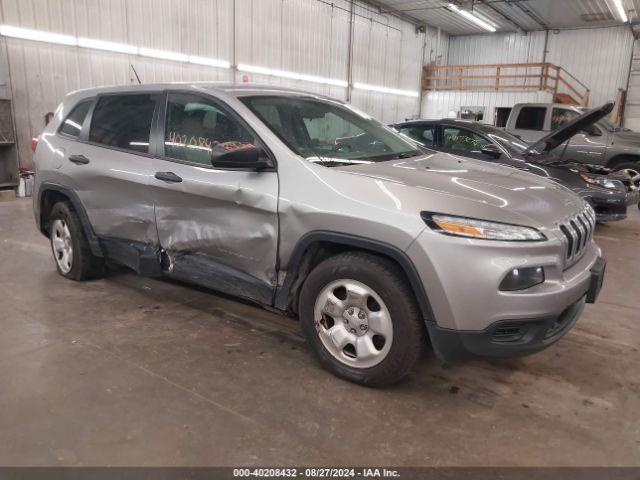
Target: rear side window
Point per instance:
(73, 123)
(419, 133)
(531, 118)
(461, 140)
(123, 121)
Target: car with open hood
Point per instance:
(244, 190)
(608, 192)
(602, 143)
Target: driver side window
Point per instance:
(461, 140)
(195, 124)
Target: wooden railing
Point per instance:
(506, 76)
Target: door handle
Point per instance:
(168, 177)
(78, 159)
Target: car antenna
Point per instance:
(136, 73)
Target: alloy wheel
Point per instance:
(62, 245)
(353, 323)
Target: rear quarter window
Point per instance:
(72, 125)
(123, 121)
(531, 118)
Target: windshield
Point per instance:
(509, 142)
(329, 132)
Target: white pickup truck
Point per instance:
(601, 144)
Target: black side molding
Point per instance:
(144, 259)
(94, 244)
(281, 300)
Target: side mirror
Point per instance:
(491, 150)
(247, 157)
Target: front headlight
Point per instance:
(602, 181)
(474, 228)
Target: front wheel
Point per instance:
(361, 320)
(631, 168)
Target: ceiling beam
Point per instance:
(384, 9)
(519, 27)
(530, 13)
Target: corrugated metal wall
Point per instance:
(496, 48)
(632, 107)
(303, 36)
(447, 104)
(597, 57)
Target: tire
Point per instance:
(635, 166)
(67, 235)
(346, 278)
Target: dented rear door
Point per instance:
(217, 228)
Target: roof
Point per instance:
(453, 121)
(230, 88)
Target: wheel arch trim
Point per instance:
(281, 300)
(623, 158)
(94, 244)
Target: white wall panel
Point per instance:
(437, 105)
(387, 52)
(496, 48)
(632, 107)
(436, 47)
(598, 57)
(304, 36)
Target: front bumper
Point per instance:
(462, 277)
(612, 206)
(504, 338)
(514, 338)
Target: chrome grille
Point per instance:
(578, 231)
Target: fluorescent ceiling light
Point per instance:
(108, 46)
(164, 55)
(619, 8)
(211, 62)
(472, 18)
(393, 91)
(37, 35)
(291, 75)
(40, 36)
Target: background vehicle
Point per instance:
(228, 187)
(608, 193)
(602, 143)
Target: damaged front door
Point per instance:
(217, 228)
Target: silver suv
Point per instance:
(303, 203)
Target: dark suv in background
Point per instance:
(609, 193)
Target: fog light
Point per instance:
(521, 278)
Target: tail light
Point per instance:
(34, 143)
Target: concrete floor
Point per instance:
(133, 371)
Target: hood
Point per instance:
(472, 185)
(569, 129)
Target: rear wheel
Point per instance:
(71, 250)
(360, 318)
